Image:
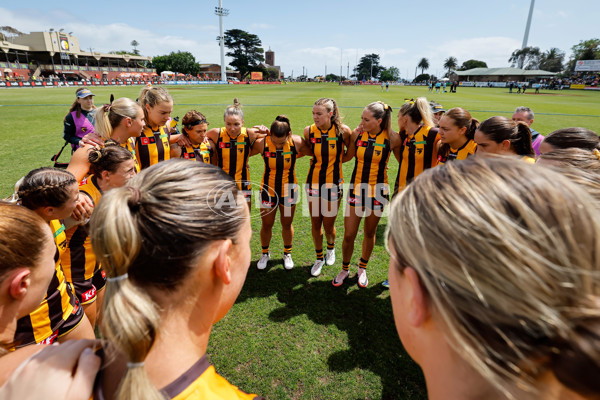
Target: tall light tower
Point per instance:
(222, 12)
(526, 36)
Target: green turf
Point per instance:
(291, 336)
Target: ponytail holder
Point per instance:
(409, 101)
(136, 197)
(386, 106)
(117, 278)
(135, 365)
(597, 153)
(107, 107)
(14, 199)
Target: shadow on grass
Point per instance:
(364, 315)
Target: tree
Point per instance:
(470, 64)
(183, 62)
(450, 64)
(244, 49)
(526, 58)
(422, 78)
(333, 78)
(389, 74)
(135, 44)
(423, 64)
(122, 52)
(272, 74)
(7, 32)
(367, 64)
(585, 50)
(552, 60)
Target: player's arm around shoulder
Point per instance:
(79, 165)
(303, 147)
(351, 148)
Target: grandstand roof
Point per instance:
(504, 71)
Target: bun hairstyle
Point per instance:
(381, 110)
(499, 129)
(281, 126)
(332, 107)
(573, 137)
(234, 109)
(153, 95)
(108, 158)
(109, 116)
(418, 110)
(191, 119)
(147, 235)
(44, 187)
(511, 271)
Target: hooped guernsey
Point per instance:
(79, 261)
(326, 163)
(369, 183)
(418, 152)
(58, 305)
(233, 158)
(152, 146)
(279, 179)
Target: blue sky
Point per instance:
(315, 35)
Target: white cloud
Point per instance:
(261, 26)
(495, 51)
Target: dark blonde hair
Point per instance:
(381, 110)
(234, 109)
(153, 95)
(499, 129)
(332, 107)
(148, 234)
(509, 256)
(418, 111)
(109, 116)
(108, 158)
(44, 187)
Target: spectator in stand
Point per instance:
(81, 117)
(524, 114)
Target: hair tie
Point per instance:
(597, 153)
(385, 106)
(107, 107)
(197, 122)
(136, 197)
(117, 278)
(135, 365)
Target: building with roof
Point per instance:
(503, 74)
(43, 54)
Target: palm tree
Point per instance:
(423, 64)
(450, 64)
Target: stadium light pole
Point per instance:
(222, 12)
(526, 36)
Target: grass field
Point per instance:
(292, 336)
